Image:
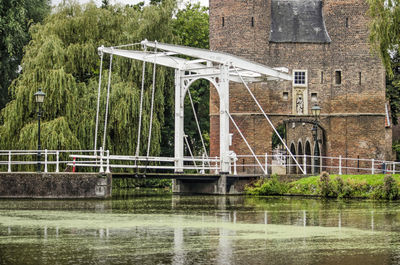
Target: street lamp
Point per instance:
(316, 111)
(39, 98)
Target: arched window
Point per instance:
(292, 166)
(308, 155)
(299, 157)
(317, 161)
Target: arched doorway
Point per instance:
(299, 157)
(317, 160)
(308, 157)
(292, 164)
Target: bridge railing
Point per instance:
(103, 161)
(50, 160)
(106, 162)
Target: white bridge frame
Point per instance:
(216, 67)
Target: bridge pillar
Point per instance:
(176, 186)
(179, 120)
(222, 185)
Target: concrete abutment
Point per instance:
(55, 185)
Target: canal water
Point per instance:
(160, 228)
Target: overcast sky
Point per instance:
(98, 2)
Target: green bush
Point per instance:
(343, 189)
(270, 186)
(390, 188)
(325, 186)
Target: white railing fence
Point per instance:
(50, 160)
(103, 161)
(314, 164)
(99, 161)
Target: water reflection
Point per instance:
(225, 242)
(166, 229)
(179, 252)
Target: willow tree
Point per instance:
(15, 19)
(385, 29)
(385, 39)
(62, 59)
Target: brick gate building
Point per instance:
(325, 46)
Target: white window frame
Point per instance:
(306, 78)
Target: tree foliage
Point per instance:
(385, 29)
(62, 59)
(385, 37)
(191, 29)
(16, 17)
(393, 88)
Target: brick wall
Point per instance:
(352, 112)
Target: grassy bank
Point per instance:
(345, 186)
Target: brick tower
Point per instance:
(325, 46)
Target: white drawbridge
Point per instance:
(218, 68)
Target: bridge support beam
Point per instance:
(224, 136)
(179, 120)
(221, 83)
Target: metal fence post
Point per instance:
(234, 166)
(266, 163)
(45, 160)
(108, 162)
(340, 165)
(394, 167)
(57, 161)
(216, 165)
(202, 171)
(101, 160)
(373, 166)
(305, 164)
(9, 161)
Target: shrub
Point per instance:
(390, 188)
(325, 185)
(270, 186)
(343, 189)
(273, 187)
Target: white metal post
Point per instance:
(202, 171)
(57, 161)
(216, 165)
(179, 121)
(45, 161)
(108, 162)
(340, 165)
(266, 164)
(101, 160)
(320, 163)
(9, 161)
(224, 136)
(305, 164)
(234, 166)
(373, 166)
(312, 163)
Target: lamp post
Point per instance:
(316, 111)
(39, 98)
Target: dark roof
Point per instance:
(298, 21)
